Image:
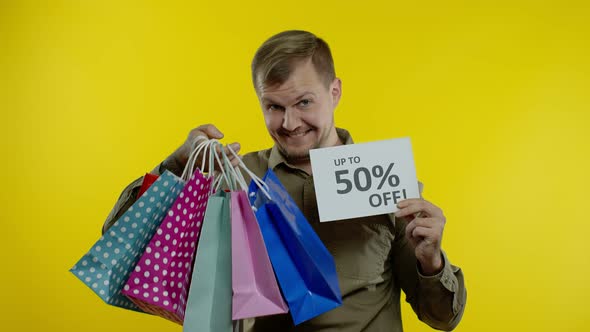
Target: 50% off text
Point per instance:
(364, 179)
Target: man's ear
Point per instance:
(336, 91)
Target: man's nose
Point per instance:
(291, 120)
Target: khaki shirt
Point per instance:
(373, 259)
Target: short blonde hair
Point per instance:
(275, 59)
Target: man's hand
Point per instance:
(178, 159)
(424, 232)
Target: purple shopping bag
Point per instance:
(255, 289)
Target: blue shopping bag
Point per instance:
(106, 266)
(305, 269)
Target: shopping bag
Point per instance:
(160, 281)
(305, 269)
(208, 307)
(148, 180)
(106, 266)
(255, 289)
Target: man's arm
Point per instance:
(126, 199)
(129, 194)
(438, 300)
(175, 163)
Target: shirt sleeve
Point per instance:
(129, 196)
(437, 300)
(126, 199)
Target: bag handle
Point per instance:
(233, 177)
(207, 148)
(235, 172)
(259, 183)
(190, 164)
(213, 154)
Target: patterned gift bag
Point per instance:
(105, 268)
(209, 304)
(159, 284)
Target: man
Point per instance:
(376, 257)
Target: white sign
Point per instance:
(364, 179)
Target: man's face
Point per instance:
(299, 114)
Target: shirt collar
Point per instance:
(276, 157)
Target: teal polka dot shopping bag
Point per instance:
(106, 266)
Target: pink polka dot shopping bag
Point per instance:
(159, 283)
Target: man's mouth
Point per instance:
(297, 133)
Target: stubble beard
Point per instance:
(297, 157)
(300, 157)
(303, 156)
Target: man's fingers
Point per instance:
(409, 207)
(408, 201)
(231, 157)
(410, 228)
(210, 130)
(234, 157)
(410, 234)
(235, 147)
(432, 224)
(426, 222)
(423, 232)
(234, 161)
(410, 210)
(420, 222)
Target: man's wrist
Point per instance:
(434, 267)
(171, 164)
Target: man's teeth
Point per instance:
(298, 134)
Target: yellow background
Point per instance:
(495, 96)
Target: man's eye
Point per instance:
(274, 107)
(304, 102)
